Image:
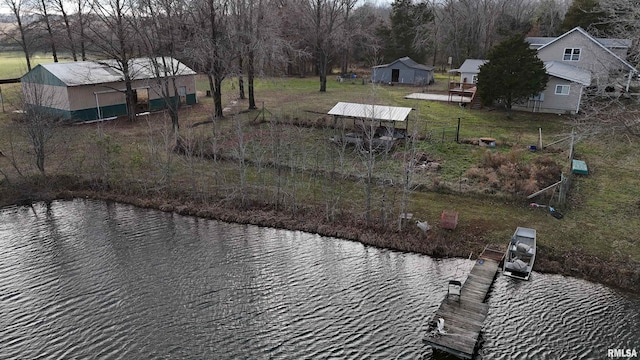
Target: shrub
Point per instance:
(507, 172)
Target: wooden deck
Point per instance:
(464, 315)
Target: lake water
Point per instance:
(95, 280)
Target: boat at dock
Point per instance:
(521, 254)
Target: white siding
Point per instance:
(45, 95)
(553, 103)
(592, 56)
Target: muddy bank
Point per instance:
(467, 240)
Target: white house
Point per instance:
(577, 63)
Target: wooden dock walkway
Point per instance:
(465, 313)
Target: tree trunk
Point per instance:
(69, 34)
(215, 84)
(322, 69)
(251, 76)
(240, 80)
(27, 56)
(23, 38)
(40, 160)
(173, 104)
(129, 96)
(345, 62)
(49, 31)
(81, 19)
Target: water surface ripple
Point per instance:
(89, 279)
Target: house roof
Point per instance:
(407, 61)
(370, 111)
(537, 42)
(471, 66)
(615, 43)
(100, 72)
(586, 34)
(568, 72)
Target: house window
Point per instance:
(562, 89)
(571, 54)
(474, 79)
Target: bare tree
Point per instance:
(160, 30)
(42, 9)
(320, 21)
(114, 35)
(23, 37)
(61, 7)
(365, 44)
(470, 28)
(104, 158)
(211, 48)
(82, 22)
(408, 171)
(548, 18)
(429, 34)
(622, 20)
(276, 154)
(241, 19)
(240, 154)
(349, 32)
(40, 122)
(337, 158)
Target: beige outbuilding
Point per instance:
(94, 90)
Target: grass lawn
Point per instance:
(14, 64)
(291, 161)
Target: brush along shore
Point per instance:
(470, 237)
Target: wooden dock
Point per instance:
(465, 313)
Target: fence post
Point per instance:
(540, 138)
(458, 132)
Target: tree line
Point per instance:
(248, 38)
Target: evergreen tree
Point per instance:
(512, 74)
(399, 40)
(584, 13)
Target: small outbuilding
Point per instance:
(469, 70)
(94, 90)
(403, 71)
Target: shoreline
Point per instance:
(466, 241)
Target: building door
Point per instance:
(182, 92)
(395, 75)
(142, 100)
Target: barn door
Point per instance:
(142, 100)
(395, 75)
(182, 92)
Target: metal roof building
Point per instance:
(90, 90)
(371, 112)
(403, 71)
(469, 70)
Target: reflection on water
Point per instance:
(88, 279)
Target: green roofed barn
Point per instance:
(92, 90)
